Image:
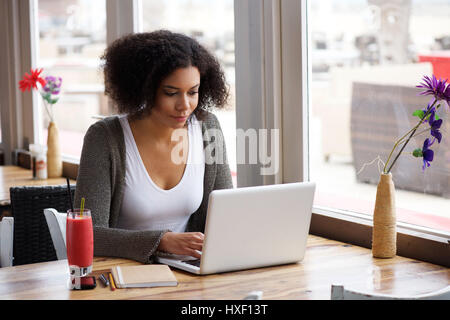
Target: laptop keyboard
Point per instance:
(195, 263)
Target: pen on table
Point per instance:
(104, 280)
(111, 282)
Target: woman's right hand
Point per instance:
(185, 243)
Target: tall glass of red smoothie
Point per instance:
(79, 242)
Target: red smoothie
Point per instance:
(79, 240)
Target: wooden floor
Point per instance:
(326, 262)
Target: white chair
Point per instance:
(254, 295)
(338, 292)
(6, 241)
(56, 222)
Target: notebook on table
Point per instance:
(143, 276)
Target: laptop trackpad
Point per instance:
(173, 256)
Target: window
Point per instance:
(212, 24)
(366, 58)
(72, 37)
(272, 89)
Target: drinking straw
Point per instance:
(70, 194)
(82, 207)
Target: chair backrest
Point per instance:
(22, 158)
(373, 134)
(338, 292)
(56, 222)
(6, 241)
(32, 239)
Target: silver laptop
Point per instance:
(252, 227)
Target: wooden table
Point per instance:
(326, 262)
(14, 176)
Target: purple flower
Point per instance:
(435, 126)
(430, 108)
(427, 153)
(53, 84)
(439, 89)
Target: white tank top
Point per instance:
(145, 206)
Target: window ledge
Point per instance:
(412, 242)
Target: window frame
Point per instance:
(270, 61)
(21, 116)
(17, 55)
(412, 241)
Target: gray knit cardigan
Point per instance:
(100, 181)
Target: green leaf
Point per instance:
(53, 101)
(46, 96)
(419, 113)
(418, 153)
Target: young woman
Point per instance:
(146, 190)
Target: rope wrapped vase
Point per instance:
(54, 161)
(384, 233)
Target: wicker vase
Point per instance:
(384, 234)
(54, 162)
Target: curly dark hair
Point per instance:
(135, 64)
